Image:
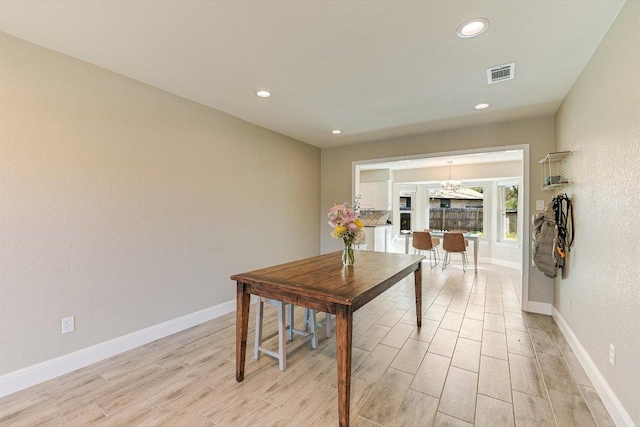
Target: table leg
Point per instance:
(475, 254)
(344, 326)
(417, 278)
(242, 327)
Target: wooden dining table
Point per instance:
(322, 283)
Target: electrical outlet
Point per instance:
(68, 325)
(612, 354)
(539, 205)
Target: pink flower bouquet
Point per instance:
(348, 227)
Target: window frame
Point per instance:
(486, 217)
(502, 211)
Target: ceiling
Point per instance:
(374, 69)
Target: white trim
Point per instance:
(503, 263)
(526, 234)
(620, 416)
(539, 307)
(508, 244)
(41, 372)
(497, 261)
(526, 178)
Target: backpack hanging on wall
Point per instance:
(552, 235)
(543, 241)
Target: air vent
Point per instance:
(501, 73)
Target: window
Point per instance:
(508, 206)
(457, 210)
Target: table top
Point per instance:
(324, 278)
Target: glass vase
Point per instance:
(348, 254)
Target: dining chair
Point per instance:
(281, 354)
(454, 242)
(466, 241)
(422, 242)
(434, 240)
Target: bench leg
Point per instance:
(259, 312)
(282, 350)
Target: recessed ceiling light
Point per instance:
(473, 28)
(482, 105)
(263, 94)
(336, 131)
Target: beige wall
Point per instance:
(376, 175)
(537, 133)
(600, 121)
(127, 206)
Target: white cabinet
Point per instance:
(383, 196)
(367, 195)
(377, 238)
(369, 233)
(387, 238)
(375, 195)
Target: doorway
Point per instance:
(510, 164)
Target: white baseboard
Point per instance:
(620, 416)
(540, 307)
(503, 263)
(36, 374)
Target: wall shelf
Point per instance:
(556, 170)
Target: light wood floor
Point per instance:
(477, 360)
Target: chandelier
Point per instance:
(450, 184)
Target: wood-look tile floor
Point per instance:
(477, 360)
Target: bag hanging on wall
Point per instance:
(553, 235)
(543, 241)
(563, 211)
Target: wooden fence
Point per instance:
(456, 219)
